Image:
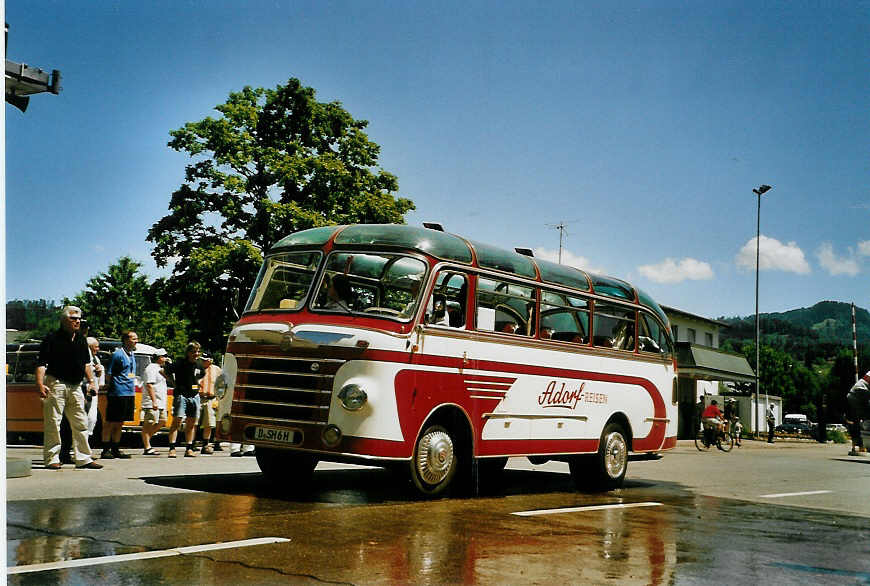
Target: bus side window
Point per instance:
(614, 326)
(505, 307)
(446, 306)
(25, 369)
(564, 318)
(652, 338)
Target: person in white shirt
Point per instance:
(154, 401)
(100, 375)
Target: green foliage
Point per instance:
(808, 333)
(838, 437)
(38, 317)
(121, 299)
(806, 355)
(114, 300)
(276, 161)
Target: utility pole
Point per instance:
(854, 343)
(761, 190)
(562, 227)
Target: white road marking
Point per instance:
(782, 494)
(584, 509)
(144, 555)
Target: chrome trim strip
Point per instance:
(285, 373)
(255, 420)
(292, 389)
(519, 416)
(665, 419)
(556, 345)
(485, 397)
(280, 404)
(291, 358)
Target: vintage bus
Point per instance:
(413, 348)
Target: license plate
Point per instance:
(274, 434)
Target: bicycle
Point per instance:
(706, 438)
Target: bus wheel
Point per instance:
(606, 469)
(434, 463)
(282, 465)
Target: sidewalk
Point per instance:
(118, 477)
(136, 476)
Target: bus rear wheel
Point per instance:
(606, 469)
(283, 465)
(434, 461)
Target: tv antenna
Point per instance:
(562, 227)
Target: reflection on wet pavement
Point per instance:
(379, 534)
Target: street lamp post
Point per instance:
(762, 189)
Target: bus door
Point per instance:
(443, 341)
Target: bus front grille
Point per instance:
(281, 389)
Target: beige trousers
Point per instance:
(64, 399)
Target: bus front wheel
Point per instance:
(434, 462)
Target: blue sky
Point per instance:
(643, 126)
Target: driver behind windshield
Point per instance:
(338, 294)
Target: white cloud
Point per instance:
(834, 264)
(672, 271)
(864, 247)
(774, 256)
(568, 258)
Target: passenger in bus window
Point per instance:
(546, 333)
(624, 338)
(438, 313)
(338, 294)
(510, 328)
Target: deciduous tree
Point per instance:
(273, 162)
(121, 299)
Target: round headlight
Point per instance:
(352, 397)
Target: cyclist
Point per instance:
(712, 417)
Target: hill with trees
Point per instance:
(806, 354)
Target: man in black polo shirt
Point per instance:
(62, 364)
(185, 398)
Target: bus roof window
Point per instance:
(310, 237)
(438, 244)
(612, 287)
(563, 275)
(504, 260)
(648, 301)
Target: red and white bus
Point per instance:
(409, 347)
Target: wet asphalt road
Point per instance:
(784, 515)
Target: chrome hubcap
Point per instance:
(615, 454)
(434, 456)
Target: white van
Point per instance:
(796, 418)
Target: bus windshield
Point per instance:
(284, 281)
(374, 284)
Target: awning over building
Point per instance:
(701, 362)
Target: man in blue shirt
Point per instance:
(121, 397)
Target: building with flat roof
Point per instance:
(702, 368)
